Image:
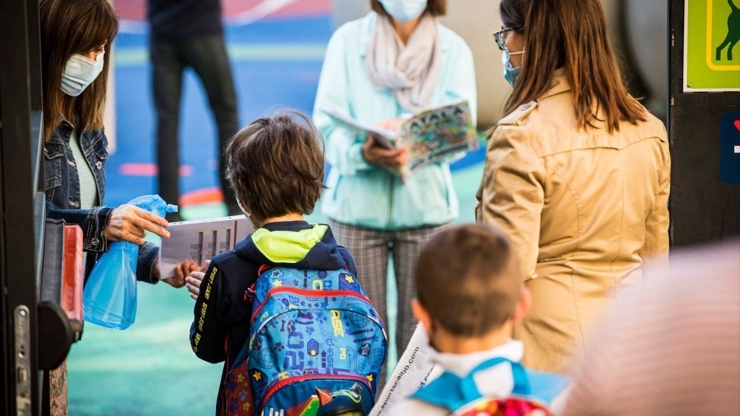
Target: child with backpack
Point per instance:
(470, 294)
(284, 309)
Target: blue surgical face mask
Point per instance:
(510, 73)
(404, 10)
(79, 73)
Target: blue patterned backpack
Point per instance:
(310, 330)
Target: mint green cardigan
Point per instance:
(368, 196)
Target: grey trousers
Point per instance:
(371, 250)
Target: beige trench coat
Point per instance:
(584, 209)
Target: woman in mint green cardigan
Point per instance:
(396, 61)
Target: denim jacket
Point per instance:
(62, 186)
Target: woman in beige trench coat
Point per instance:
(577, 173)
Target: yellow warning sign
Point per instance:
(712, 45)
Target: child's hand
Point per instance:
(194, 280)
(182, 270)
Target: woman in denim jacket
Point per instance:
(76, 38)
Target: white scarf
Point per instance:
(411, 71)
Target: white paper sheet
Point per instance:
(200, 240)
(411, 374)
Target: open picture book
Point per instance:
(431, 136)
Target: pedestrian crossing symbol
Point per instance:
(712, 45)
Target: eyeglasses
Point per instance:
(501, 38)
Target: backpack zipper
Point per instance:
(298, 379)
(308, 292)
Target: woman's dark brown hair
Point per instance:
(434, 7)
(570, 34)
(70, 27)
(276, 165)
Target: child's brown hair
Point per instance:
(469, 280)
(276, 165)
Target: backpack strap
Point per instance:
(546, 387)
(452, 392)
(243, 354)
(263, 268)
(249, 295)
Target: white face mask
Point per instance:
(79, 73)
(404, 10)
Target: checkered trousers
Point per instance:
(371, 250)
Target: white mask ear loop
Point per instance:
(510, 54)
(247, 214)
(244, 211)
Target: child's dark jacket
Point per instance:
(223, 309)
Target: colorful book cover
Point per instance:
(431, 136)
(437, 134)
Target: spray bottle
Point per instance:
(109, 297)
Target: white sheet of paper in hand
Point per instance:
(200, 240)
(411, 374)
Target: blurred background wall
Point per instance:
(638, 31)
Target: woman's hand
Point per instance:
(194, 280)
(375, 154)
(130, 223)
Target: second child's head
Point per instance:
(470, 289)
(276, 167)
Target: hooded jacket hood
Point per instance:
(295, 244)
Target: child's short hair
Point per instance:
(469, 280)
(276, 165)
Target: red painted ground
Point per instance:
(202, 196)
(149, 169)
(136, 9)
